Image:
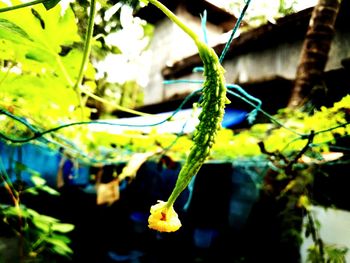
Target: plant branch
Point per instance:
(87, 51)
(176, 20)
(87, 44)
(16, 202)
(7, 183)
(311, 137)
(118, 107)
(11, 8)
(273, 155)
(315, 236)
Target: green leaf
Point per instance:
(55, 101)
(59, 29)
(42, 218)
(11, 31)
(61, 237)
(59, 246)
(50, 4)
(38, 36)
(32, 39)
(49, 190)
(12, 211)
(42, 225)
(31, 190)
(38, 181)
(62, 227)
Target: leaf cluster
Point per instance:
(42, 234)
(38, 66)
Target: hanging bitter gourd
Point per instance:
(163, 217)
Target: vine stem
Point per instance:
(16, 202)
(11, 8)
(86, 54)
(176, 20)
(87, 44)
(119, 107)
(87, 51)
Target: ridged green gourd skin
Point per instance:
(213, 107)
(210, 118)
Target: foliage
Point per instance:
(233, 145)
(40, 236)
(119, 53)
(333, 254)
(327, 123)
(35, 61)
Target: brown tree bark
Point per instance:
(314, 53)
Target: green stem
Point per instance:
(87, 44)
(16, 201)
(176, 20)
(7, 182)
(86, 54)
(118, 107)
(11, 8)
(62, 69)
(172, 198)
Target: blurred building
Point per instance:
(263, 60)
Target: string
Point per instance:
(204, 26)
(234, 30)
(38, 134)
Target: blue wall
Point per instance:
(43, 160)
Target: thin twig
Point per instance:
(15, 7)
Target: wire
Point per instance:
(246, 98)
(38, 134)
(14, 7)
(234, 30)
(204, 26)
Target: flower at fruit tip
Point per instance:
(163, 218)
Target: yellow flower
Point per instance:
(163, 218)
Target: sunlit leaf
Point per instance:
(12, 211)
(59, 246)
(31, 190)
(63, 228)
(61, 237)
(38, 181)
(42, 218)
(11, 31)
(49, 190)
(44, 226)
(32, 34)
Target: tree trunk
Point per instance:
(314, 53)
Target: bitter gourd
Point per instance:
(163, 217)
